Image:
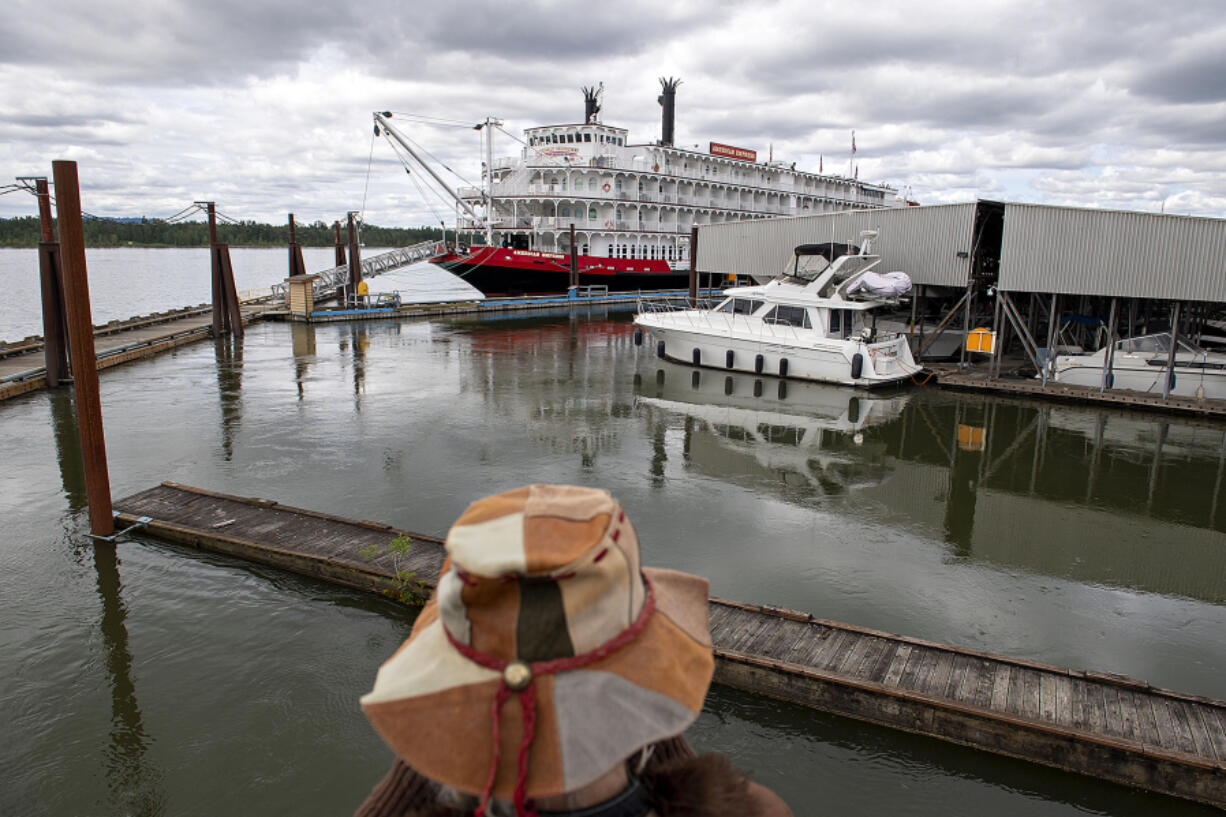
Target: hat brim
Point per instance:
(434, 707)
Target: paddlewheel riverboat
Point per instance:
(631, 206)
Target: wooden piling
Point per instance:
(81, 342)
(355, 259)
(227, 317)
(51, 280)
(340, 248)
(296, 265)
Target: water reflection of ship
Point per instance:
(804, 438)
(559, 379)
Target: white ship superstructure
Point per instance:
(640, 201)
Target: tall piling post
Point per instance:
(81, 344)
(51, 281)
(296, 265)
(340, 248)
(355, 260)
(227, 317)
(694, 266)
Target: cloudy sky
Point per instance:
(264, 105)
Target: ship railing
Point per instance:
(673, 304)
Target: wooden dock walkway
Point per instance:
(22, 366)
(977, 381)
(1106, 726)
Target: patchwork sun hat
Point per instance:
(547, 654)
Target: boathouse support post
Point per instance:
(1049, 361)
(51, 280)
(355, 261)
(940, 327)
(1109, 357)
(81, 343)
(911, 325)
(1019, 325)
(296, 265)
(694, 266)
(1170, 357)
(994, 363)
(574, 264)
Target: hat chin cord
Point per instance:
(518, 676)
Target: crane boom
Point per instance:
(381, 121)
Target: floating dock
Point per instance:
(1102, 725)
(979, 381)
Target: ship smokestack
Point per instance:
(668, 100)
(591, 104)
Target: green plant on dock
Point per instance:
(407, 588)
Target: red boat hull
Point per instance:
(505, 271)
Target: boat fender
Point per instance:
(728, 385)
(783, 367)
(606, 187)
(757, 388)
(1110, 380)
(857, 366)
(695, 379)
(1172, 381)
(659, 348)
(853, 410)
(728, 358)
(638, 336)
(758, 363)
(783, 390)
(697, 356)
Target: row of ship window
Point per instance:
(572, 138)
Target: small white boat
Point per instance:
(813, 322)
(1140, 364)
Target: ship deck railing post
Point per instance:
(81, 343)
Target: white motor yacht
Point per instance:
(813, 322)
(1140, 364)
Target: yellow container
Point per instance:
(981, 340)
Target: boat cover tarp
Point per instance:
(882, 284)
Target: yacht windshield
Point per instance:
(740, 306)
(1155, 344)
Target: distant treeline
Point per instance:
(152, 232)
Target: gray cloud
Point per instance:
(265, 104)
